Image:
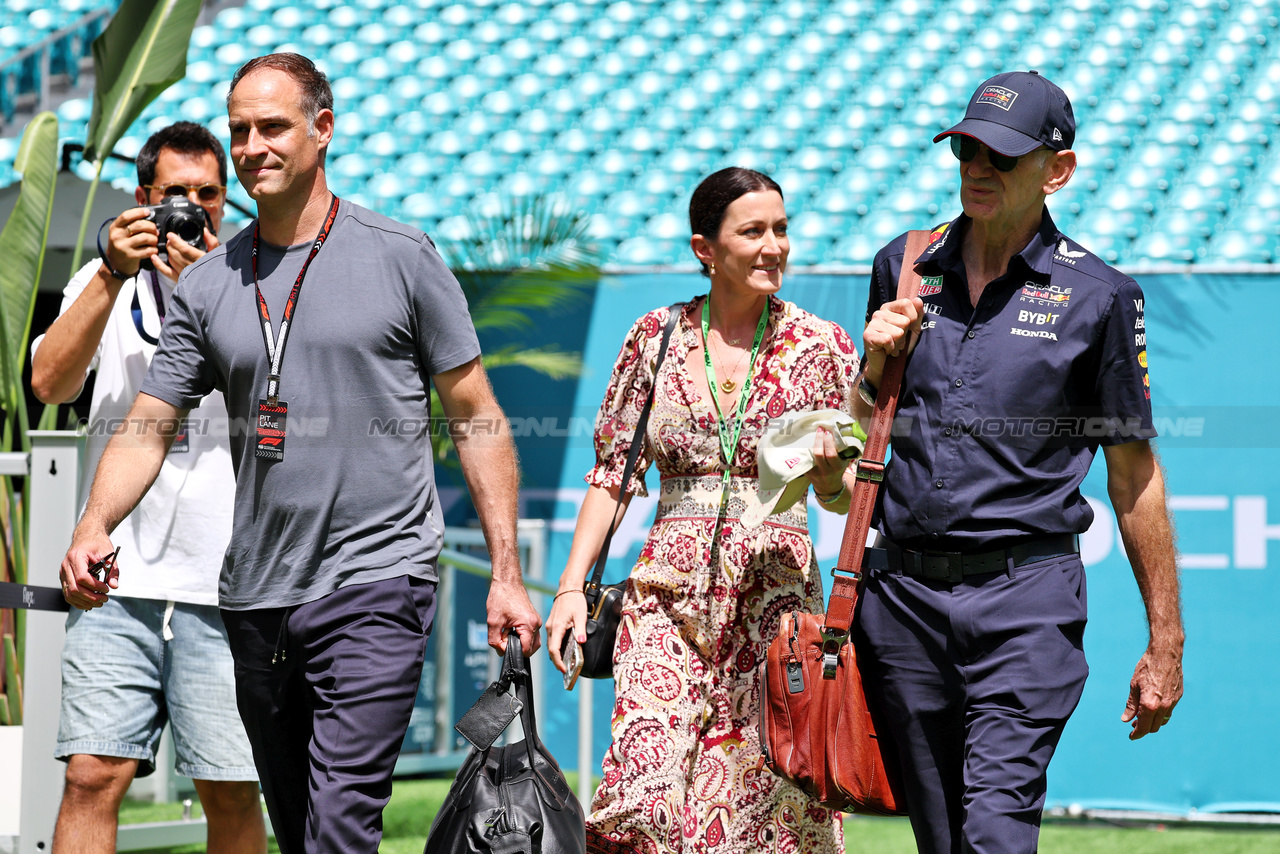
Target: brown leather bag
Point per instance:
(816, 727)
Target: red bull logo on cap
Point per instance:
(999, 96)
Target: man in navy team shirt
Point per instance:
(1031, 354)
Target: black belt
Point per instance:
(953, 566)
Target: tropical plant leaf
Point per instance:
(503, 301)
(554, 363)
(522, 233)
(48, 417)
(12, 681)
(515, 257)
(142, 52)
(523, 255)
(22, 243)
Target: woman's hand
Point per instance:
(827, 474)
(569, 610)
(568, 614)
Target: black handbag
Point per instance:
(512, 799)
(604, 601)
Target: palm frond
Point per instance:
(531, 232)
(505, 301)
(519, 255)
(550, 361)
(516, 257)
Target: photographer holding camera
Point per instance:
(157, 650)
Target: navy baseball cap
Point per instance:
(1017, 112)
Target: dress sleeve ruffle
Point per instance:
(623, 399)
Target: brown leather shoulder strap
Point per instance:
(844, 590)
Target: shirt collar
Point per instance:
(1036, 256)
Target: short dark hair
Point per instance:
(719, 190)
(316, 93)
(184, 138)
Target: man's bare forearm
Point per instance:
(1138, 496)
(492, 473)
(130, 464)
(488, 458)
(60, 363)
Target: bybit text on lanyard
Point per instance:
(730, 430)
(275, 349)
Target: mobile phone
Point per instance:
(572, 655)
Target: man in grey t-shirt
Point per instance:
(322, 324)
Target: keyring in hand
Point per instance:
(101, 568)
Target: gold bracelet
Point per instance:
(562, 592)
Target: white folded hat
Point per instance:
(785, 454)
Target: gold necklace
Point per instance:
(727, 385)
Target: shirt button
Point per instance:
(970, 334)
(938, 484)
(934, 535)
(947, 432)
(959, 383)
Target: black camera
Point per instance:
(184, 218)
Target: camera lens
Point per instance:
(187, 227)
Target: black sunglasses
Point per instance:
(204, 192)
(965, 148)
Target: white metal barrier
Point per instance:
(52, 492)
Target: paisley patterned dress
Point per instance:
(685, 772)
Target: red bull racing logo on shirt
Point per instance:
(1046, 294)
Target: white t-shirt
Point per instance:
(172, 544)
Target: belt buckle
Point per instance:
(942, 566)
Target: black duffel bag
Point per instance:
(512, 799)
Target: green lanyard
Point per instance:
(730, 431)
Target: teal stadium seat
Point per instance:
(624, 105)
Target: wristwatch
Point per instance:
(867, 392)
(112, 271)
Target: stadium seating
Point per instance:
(55, 38)
(624, 105)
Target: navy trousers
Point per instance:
(976, 681)
(327, 717)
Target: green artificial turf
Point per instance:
(415, 802)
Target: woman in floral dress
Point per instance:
(685, 772)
